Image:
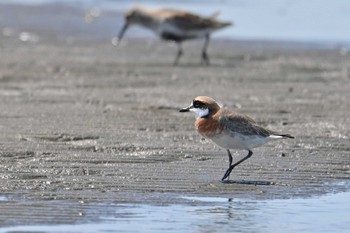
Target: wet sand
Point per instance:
(84, 120)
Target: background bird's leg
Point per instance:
(229, 170)
(179, 53)
(205, 58)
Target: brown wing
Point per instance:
(188, 21)
(242, 124)
(191, 22)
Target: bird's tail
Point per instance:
(280, 136)
(286, 136)
(226, 24)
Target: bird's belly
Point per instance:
(168, 31)
(174, 37)
(239, 141)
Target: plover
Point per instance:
(229, 129)
(174, 25)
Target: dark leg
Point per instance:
(179, 53)
(229, 170)
(229, 158)
(205, 58)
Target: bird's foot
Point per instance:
(227, 181)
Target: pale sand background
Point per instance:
(81, 119)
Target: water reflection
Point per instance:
(200, 214)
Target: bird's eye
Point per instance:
(198, 104)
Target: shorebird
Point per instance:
(229, 129)
(174, 25)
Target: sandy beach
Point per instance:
(85, 120)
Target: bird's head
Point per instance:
(132, 16)
(202, 107)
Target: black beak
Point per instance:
(122, 31)
(186, 109)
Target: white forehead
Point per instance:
(199, 113)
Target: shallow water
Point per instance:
(305, 21)
(329, 213)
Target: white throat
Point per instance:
(200, 112)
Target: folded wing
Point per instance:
(244, 125)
